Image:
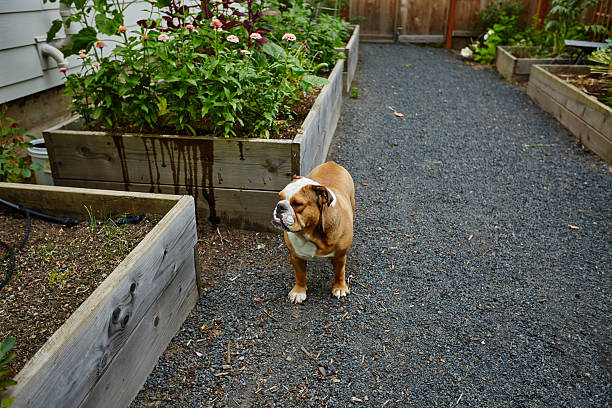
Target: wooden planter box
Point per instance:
(103, 353)
(351, 55)
(517, 69)
(233, 180)
(583, 115)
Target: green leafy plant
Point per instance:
(13, 140)
(504, 32)
(189, 68)
(563, 22)
(603, 57)
(493, 13)
(5, 378)
(354, 93)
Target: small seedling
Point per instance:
(92, 219)
(354, 93)
(58, 275)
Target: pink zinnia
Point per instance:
(145, 37)
(82, 54)
(122, 29)
(289, 37)
(256, 36)
(233, 39)
(163, 37)
(63, 69)
(100, 44)
(216, 23)
(245, 52)
(189, 27)
(95, 64)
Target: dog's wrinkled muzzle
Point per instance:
(283, 215)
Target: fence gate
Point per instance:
(380, 20)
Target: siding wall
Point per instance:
(24, 25)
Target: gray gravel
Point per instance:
(480, 269)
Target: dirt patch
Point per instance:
(57, 269)
(592, 84)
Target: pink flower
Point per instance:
(189, 27)
(82, 54)
(145, 37)
(100, 44)
(163, 37)
(256, 36)
(216, 23)
(122, 29)
(63, 69)
(245, 52)
(289, 37)
(95, 64)
(233, 39)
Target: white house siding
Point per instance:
(23, 24)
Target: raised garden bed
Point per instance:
(235, 180)
(351, 55)
(105, 350)
(589, 120)
(514, 64)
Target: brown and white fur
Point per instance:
(316, 213)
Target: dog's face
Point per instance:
(301, 203)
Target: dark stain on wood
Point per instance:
(118, 139)
(191, 164)
(241, 147)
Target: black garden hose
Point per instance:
(11, 253)
(69, 222)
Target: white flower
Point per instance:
(466, 52)
(488, 34)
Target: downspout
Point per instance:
(450, 24)
(48, 50)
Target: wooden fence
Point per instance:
(421, 20)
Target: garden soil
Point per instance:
(479, 272)
(55, 271)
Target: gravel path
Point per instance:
(480, 269)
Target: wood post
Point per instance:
(451, 24)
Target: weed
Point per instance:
(354, 93)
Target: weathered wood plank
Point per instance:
(80, 351)
(352, 57)
(71, 202)
(245, 209)
(588, 108)
(514, 68)
(592, 138)
(178, 160)
(320, 124)
(131, 366)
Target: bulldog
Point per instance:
(316, 214)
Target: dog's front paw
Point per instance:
(297, 295)
(340, 291)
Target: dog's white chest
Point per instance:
(305, 249)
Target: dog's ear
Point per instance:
(324, 195)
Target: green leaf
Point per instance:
(56, 25)
(5, 346)
(274, 50)
(6, 403)
(84, 39)
(315, 81)
(105, 25)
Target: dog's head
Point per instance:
(301, 204)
